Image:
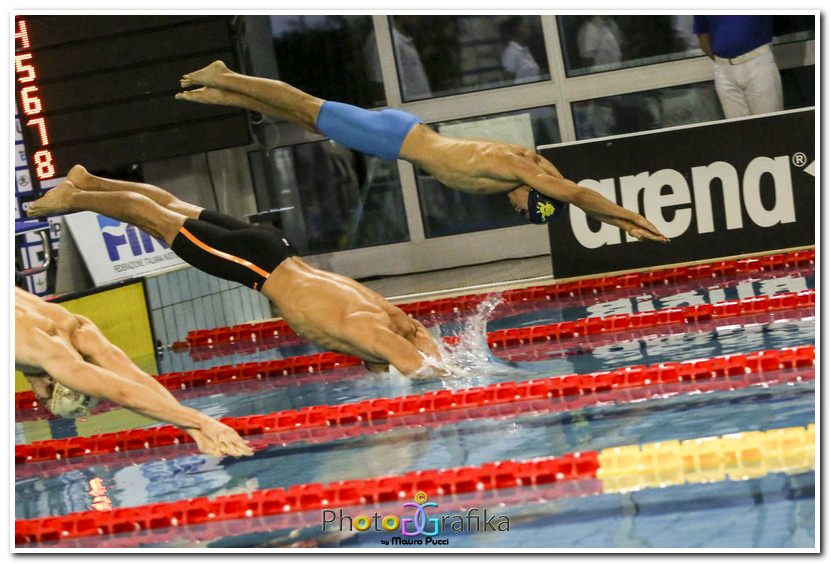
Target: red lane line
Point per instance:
(318, 435)
(243, 345)
(309, 497)
(443, 400)
(528, 352)
(212, 530)
(544, 350)
(588, 286)
(502, 338)
(341, 374)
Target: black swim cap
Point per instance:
(542, 209)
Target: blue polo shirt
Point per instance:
(731, 36)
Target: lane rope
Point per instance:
(274, 329)
(735, 456)
(437, 401)
(503, 338)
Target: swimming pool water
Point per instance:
(775, 510)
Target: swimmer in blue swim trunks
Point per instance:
(534, 186)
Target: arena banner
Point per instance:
(113, 250)
(716, 190)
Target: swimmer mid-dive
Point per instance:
(331, 310)
(71, 365)
(534, 185)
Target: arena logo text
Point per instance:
(666, 193)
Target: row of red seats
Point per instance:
(308, 497)
(437, 401)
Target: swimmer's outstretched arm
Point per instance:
(94, 346)
(66, 366)
(535, 175)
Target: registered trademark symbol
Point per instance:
(799, 159)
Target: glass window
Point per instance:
(327, 198)
(798, 87)
(331, 57)
(601, 43)
(447, 212)
(792, 28)
(652, 109)
(443, 55)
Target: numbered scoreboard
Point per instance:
(99, 90)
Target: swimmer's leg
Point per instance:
(83, 180)
(379, 133)
(126, 206)
(220, 97)
(291, 103)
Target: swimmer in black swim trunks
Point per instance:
(331, 310)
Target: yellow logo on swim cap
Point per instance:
(545, 209)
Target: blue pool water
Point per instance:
(773, 511)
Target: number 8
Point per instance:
(45, 168)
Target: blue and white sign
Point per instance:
(114, 250)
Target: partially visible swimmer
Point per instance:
(71, 365)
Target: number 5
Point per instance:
(19, 67)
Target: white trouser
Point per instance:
(751, 86)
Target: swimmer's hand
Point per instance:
(377, 367)
(203, 443)
(428, 372)
(639, 227)
(223, 439)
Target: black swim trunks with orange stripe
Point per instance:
(232, 249)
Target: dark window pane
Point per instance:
(442, 55)
(331, 57)
(798, 87)
(327, 198)
(447, 212)
(652, 109)
(601, 43)
(792, 28)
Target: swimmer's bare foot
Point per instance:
(79, 176)
(206, 95)
(208, 76)
(56, 200)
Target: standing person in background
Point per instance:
(414, 81)
(516, 57)
(747, 79)
(599, 42)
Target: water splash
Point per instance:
(470, 360)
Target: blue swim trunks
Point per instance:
(376, 132)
